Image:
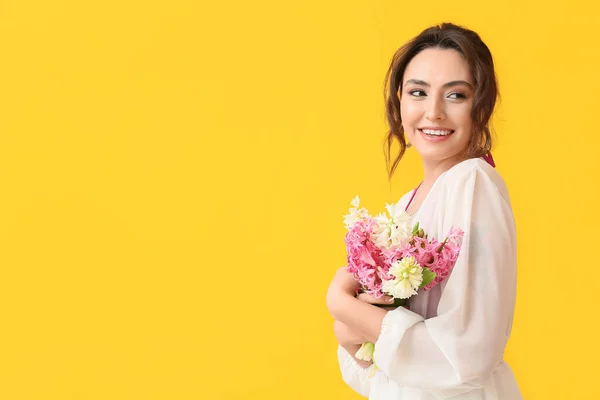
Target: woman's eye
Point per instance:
(417, 93)
(456, 96)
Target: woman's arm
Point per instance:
(350, 341)
(355, 373)
(360, 317)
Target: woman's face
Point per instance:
(436, 102)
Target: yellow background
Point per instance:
(174, 176)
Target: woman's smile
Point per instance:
(435, 135)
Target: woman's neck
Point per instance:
(433, 169)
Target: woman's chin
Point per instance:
(438, 153)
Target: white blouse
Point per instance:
(450, 344)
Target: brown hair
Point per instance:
(479, 59)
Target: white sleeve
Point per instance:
(353, 374)
(457, 350)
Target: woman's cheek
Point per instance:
(410, 116)
(411, 110)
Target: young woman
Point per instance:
(449, 341)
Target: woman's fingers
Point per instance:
(384, 300)
(367, 298)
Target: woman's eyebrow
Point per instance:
(445, 85)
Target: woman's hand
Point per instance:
(370, 299)
(342, 285)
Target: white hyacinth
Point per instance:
(408, 276)
(392, 231)
(355, 214)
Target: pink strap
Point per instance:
(488, 158)
(413, 196)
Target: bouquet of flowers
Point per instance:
(388, 256)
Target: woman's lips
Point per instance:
(435, 138)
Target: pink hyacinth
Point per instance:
(365, 260)
(438, 257)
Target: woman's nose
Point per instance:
(435, 109)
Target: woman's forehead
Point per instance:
(437, 67)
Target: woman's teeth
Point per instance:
(436, 132)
